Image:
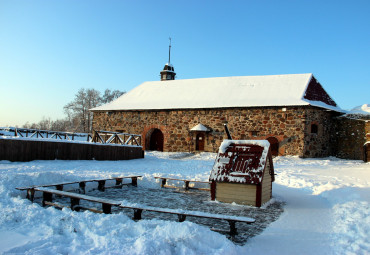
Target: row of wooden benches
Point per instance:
(101, 183)
(106, 204)
(82, 185)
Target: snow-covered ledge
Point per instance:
(200, 128)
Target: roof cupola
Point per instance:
(168, 72)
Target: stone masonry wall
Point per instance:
(288, 125)
(350, 137)
(320, 143)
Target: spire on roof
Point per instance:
(168, 72)
(169, 52)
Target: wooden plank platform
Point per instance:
(187, 182)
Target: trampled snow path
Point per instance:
(326, 211)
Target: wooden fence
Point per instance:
(27, 150)
(38, 133)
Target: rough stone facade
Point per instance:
(350, 136)
(303, 130)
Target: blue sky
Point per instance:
(51, 49)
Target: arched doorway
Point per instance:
(199, 142)
(156, 140)
(274, 145)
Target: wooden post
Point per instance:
(101, 185)
(118, 182)
(164, 180)
(134, 181)
(31, 194)
(82, 187)
(258, 195)
(46, 197)
(107, 208)
(137, 214)
(181, 217)
(186, 185)
(213, 190)
(365, 150)
(59, 187)
(75, 202)
(233, 230)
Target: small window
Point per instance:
(254, 133)
(314, 129)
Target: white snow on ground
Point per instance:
(326, 211)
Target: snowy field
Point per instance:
(326, 210)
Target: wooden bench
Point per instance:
(82, 185)
(182, 214)
(47, 199)
(107, 205)
(187, 182)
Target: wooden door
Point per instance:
(156, 140)
(199, 142)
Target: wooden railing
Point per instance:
(104, 137)
(108, 137)
(36, 133)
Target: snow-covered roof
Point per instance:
(200, 127)
(241, 161)
(222, 92)
(361, 110)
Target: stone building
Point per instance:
(352, 134)
(293, 112)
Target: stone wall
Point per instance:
(350, 136)
(289, 125)
(319, 143)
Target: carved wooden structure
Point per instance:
(243, 173)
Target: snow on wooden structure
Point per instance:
(243, 172)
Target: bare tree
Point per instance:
(78, 110)
(110, 95)
(79, 118)
(60, 125)
(45, 124)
